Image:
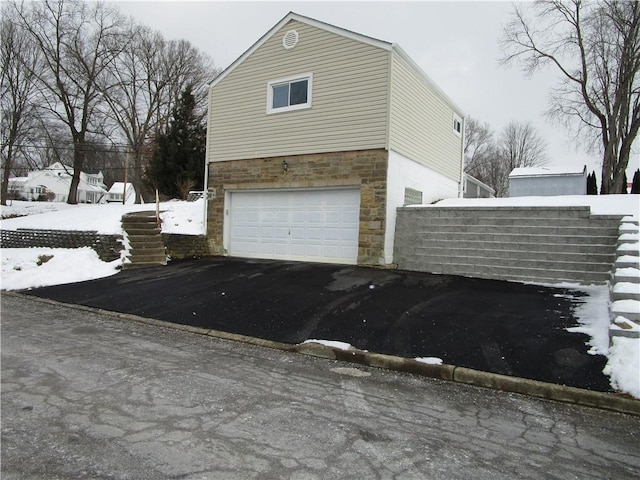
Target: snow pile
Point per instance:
(593, 316)
(40, 267)
(624, 365)
(185, 218)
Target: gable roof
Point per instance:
(118, 187)
(391, 47)
(309, 21)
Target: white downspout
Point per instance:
(206, 165)
(461, 183)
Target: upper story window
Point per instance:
(291, 93)
(457, 124)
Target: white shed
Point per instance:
(117, 191)
(547, 181)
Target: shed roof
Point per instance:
(547, 171)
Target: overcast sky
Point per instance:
(454, 42)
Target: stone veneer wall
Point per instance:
(179, 247)
(364, 168)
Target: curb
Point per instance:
(615, 402)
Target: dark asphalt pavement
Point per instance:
(494, 326)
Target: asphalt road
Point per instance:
(494, 326)
(87, 396)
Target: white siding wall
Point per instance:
(422, 121)
(349, 106)
(403, 173)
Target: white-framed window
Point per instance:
(290, 93)
(457, 125)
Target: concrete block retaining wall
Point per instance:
(108, 247)
(537, 244)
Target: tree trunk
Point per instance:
(137, 177)
(78, 163)
(609, 160)
(5, 179)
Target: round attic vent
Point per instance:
(290, 39)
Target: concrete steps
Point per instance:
(625, 283)
(536, 244)
(146, 246)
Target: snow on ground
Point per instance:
(18, 208)
(593, 316)
(623, 366)
(429, 360)
(332, 344)
(36, 267)
(600, 204)
(178, 217)
(24, 268)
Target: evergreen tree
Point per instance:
(635, 184)
(623, 188)
(177, 165)
(592, 184)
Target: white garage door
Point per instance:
(318, 225)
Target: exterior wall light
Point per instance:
(285, 166)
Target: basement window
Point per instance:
(412, 197)
(291, 93)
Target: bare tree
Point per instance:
(145, 82)
(19, 117)
(187, 67)
(77, 42)
(478, 146)
(596, 48)
(520, 145)
(491, 160)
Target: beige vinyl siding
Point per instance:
(421, 121)
(349, 99)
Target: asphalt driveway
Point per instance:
(495, 326)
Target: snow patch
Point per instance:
(429, 360)
(332, 344)
(626, 306)
(626, 287)
(592, 313)
(623, 366)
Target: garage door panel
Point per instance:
(310, 225)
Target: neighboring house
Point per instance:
(117, 192)
(52, 183)
(474, 188)
(543, 181)
(316, 135)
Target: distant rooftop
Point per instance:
(546, 171)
